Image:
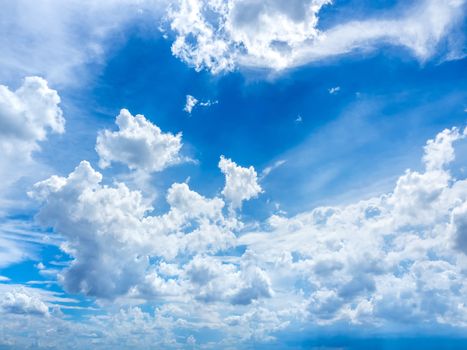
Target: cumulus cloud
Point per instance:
(211, 280)
(114, 240)
(27, 115)
(222, 35)
(22, 302)
(139, 144)
(240, 183)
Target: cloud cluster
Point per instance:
(397, 260)
(240, 183)
(389, 260)
(223, 35)
(114, 240)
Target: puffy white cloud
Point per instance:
(21, 302)
(240, 183)
(139, 144)
(27, 115)
(211, 280)
(388, 260)
(112, 238)
(440, 151)
(221, 35)
(99, 224)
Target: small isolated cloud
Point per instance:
(270, 168)
(192, 102)
(240, 183)
(40, 266)
(334, 90)
(299, 119)
(4, 279)
(139, 144)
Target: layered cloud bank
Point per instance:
(273, 34)
(395, 262)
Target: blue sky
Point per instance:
(233, 174)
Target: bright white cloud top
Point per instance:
(139, 144)
(223, 35)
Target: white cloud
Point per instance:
(99, 224)
(266, 171)
(191, 102)
(240, 183)
(222, 35)
(459, 221)
(440, 151)
(21, 302)
(211, 280)
(27, 115)
(384, 261)
(139, 144)
(393, 260)
(334, 90)
(112, 238)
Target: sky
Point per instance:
(233, 174)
